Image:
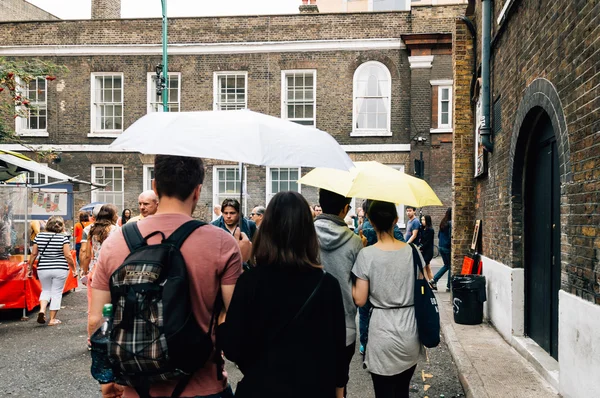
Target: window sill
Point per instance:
(441, 130)
(108, 134)
(370, 133)
(33, 133)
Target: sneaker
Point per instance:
(362, 350)
(433, 284)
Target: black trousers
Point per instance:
(396, 386)
(349, 353)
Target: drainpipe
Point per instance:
(486, 22)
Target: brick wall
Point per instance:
(463, 215)
(553, 41)
(20, 10)
(106, 9)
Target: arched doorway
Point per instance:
(541, 230)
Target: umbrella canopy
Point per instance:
(373, 180)
(13, 163)
(90, 206)
(241, 136)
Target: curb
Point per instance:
(467, 373)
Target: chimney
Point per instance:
(106, 9)
(308, 7)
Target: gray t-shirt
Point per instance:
(411, 225)
(394, 344)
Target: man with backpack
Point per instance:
(157, 273)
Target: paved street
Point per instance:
(42, 361)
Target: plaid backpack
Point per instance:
(155, 336)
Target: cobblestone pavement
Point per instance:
(42, 361)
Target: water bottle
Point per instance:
(101, 369)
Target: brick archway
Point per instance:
(539, 98)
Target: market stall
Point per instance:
(22, 207)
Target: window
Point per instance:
(230, 91)
(372, 101)
(36, 122)
(399, 208)
(112, 176)
(444, 107)
(107, 103)
(173, 93)
(34, 178)
(148, 176)
(281, 179)
(226, 184)
(298, 96)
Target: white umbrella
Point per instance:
(242, 136)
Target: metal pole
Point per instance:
(165, 57)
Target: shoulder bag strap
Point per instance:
(133, 236)
(47, 243)
(417, 262)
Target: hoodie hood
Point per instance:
(332, 231)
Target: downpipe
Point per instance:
(486, 27)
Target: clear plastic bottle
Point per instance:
(101, 368)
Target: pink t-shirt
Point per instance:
(212, 257)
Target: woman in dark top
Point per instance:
(425, 242)
(445, 244)
(285, 326)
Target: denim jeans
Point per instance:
(226, 393)
(364, 315)
(446, 257)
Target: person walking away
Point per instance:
(425, 243)
(125, 217)
(148, 205)
(84, 221)
(339, 249)
(445, 246)
(364, 312)
(54, 264)
(285, 328)
(212, 259)
(84, 259)
(105, 225)
(385, 275)
(412, 225)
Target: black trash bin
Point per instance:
(468, 296)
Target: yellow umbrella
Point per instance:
(373, 180)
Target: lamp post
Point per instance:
(165, 63)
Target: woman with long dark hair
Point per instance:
(125, 216)
(425, 243)
(285, 325)
(445, 245)
(385, 275)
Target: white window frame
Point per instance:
(94, 131)
(147, 176)
(217, 200)
(34, 178)
(449, 124)
(151, 79)
(284, 87)
(269, 191)
(400, 208)
(216, 93)
(95, 192)
(356, 132)
(21, 122)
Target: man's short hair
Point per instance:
(177, 176)
(231, 203)
(411, 207)
(150, 194)
(331, 202)
(260, 210)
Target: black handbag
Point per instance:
(426, 306)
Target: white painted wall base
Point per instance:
(505, 306)
(578, 346)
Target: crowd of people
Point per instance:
(290, 279)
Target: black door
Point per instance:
(542, 238)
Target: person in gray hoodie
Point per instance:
(339, 249)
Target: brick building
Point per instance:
(537, 184)
(304, 67)
(20, 10)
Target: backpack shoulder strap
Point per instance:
(181, 234)
(133, 236)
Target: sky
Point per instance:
(81, 9)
